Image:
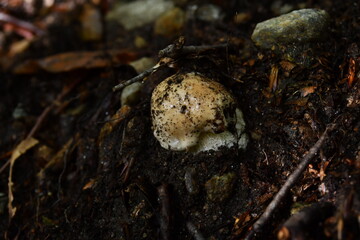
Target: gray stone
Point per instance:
(138, 13)
(209, 13)
(170, 23)
(300, 26)
(131, 94)
(143, 64)
(191, 183)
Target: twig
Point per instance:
(200, 49)
(165, 218)
(301, 225)
(44, 114)
(58, 99)
(178, 49)
(288, 184)
(194, 231)
(138, 78)
(21, 24)
(172, 51)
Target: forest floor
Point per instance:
(76, 164)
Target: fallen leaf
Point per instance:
(27, 67)
(89, 184)
(65, 62)
(69, 61)
(20, 149)
(307, 90)
(287, 66)
(351, 74)
(115, 120)
(298, 102)
(273, 78)
(323, 169)
(18, 47)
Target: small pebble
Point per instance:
(171, 23)
(138, 13)
(91, 26)
(191, 184)
(130, 94)
(143, 64)
(219, 188)
(209, 13)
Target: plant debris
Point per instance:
(77, 163)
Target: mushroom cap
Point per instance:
(186, 106)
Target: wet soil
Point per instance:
(98, 172)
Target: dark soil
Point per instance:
(99, 173)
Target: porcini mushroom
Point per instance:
(194, 113)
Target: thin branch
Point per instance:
(200, 49)
(288, 184)
(20, 23)
(172, 51)
(165, 216)
(44, 114)
(138, 78)
(197, 235)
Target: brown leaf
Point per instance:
(273, 78)
(351, 74)
(65, 62)
(287, 66)
(89, 184)
(307, 90)
(115, 120)
(27, 67)
(20, 149)
(298, 102)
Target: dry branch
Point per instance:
(171, 52)
(257, 227)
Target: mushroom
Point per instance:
(194, 113)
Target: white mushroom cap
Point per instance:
(192, 112)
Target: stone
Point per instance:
(138, 13)
(219, 188)
(91, 26)
(131, 94)
(170, 23)
(209, 13)
(300, 26)
(143, 64)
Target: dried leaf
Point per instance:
(287, 66)
(27, 67)
(20, 149)
(298, 102)
(242, 222)
(57, 160)
(115, 120)
(323, 169)
(267, 93)
(18, 47)
(70, 61)
(351, 74)
(307, 90)
(65, 62)
(89, 184)
(273, 78)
